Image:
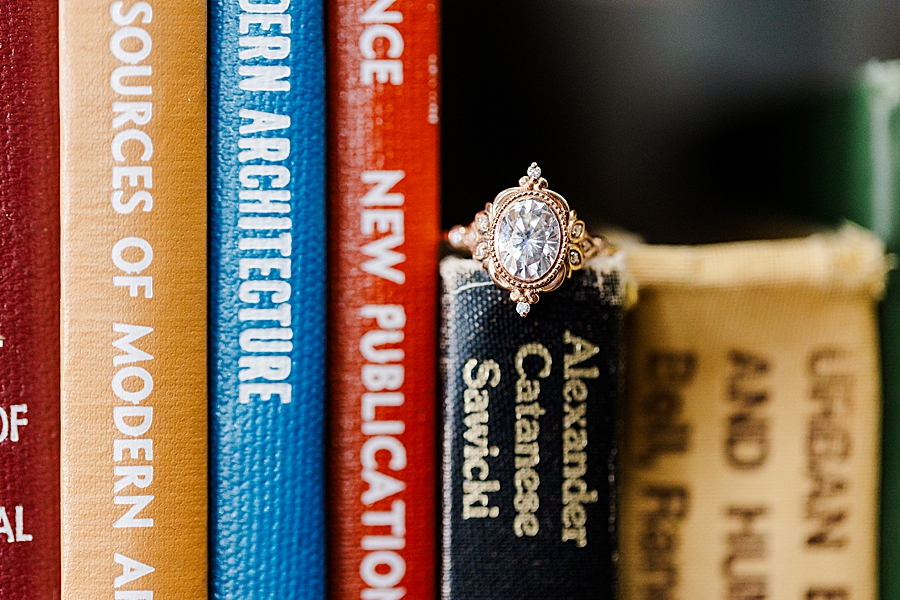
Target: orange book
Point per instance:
(383, 266)
(133, 381)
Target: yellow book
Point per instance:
(133, 195)
(750, 464)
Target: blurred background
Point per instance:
(682, 121)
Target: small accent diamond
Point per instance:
(534, 171)
(456, 235)
(578, 230)
(523, 308)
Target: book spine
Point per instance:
(875, 165)
(133, 321)
(856, 175)
(267, 299)
(750, 467)
(889, 519)
(29, 295)
(383, 237)
(530, 436)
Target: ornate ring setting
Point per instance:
(528, 239)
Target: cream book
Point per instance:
(751, 450)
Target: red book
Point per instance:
(29, 301)
(382, 260)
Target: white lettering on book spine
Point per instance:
(380, 46)
(12, 422)
(133, 385)
(264, 292)
(383, 455)
(16, 534)
(386, 66)
(386, 223)
(132, 570)
(131, 183)
(265, 266)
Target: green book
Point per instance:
(856, 158)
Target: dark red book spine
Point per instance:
(29, 301)
(382, 257)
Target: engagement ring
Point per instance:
(528, 239)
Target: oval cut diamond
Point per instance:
(528, 239)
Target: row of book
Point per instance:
(749, 463)
(164, 177)
(244, 247)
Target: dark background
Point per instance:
(681, 121)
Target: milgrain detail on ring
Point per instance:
(544, 234)
(528, 239)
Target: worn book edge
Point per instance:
(453, 267)
(849, 260)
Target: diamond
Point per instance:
(528, 239)
(578, 230)
(523, 308)
(456, 236)
(534, 171)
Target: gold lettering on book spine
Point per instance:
(475, 467)
(575, 492)
(528, 450)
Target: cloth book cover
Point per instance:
(855, 172)
(530, 409)
(382, 260)
(133, 264)
(751, 456)
(29, 295)
(267, 299)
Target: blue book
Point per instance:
(267, 299)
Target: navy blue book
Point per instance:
(267, 299)
(530, 436)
